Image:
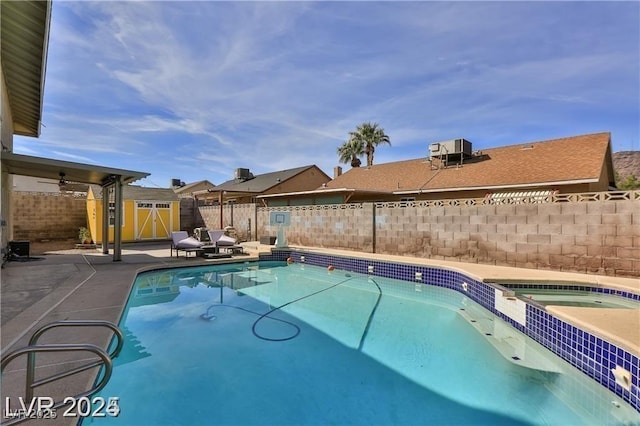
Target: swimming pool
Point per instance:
(267, 343)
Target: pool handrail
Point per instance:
(106, 359)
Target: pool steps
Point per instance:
(511, 344)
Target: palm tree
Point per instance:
(350, 151)
(370, 136)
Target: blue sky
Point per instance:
(194, 90)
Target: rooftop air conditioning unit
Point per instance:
(459, 147)
(243, 174)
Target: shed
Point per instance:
(147, 213)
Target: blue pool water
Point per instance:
(277, 344)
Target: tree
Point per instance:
(370, 136)
(350, 151)
(627, 184)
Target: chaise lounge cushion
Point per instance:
(182, 240)
(219, 239)
(189, 242)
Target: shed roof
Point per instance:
(189, 186)
(577, 159)
(141, 193)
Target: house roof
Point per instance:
(186, 188)
(140, 193)
(24, 28)
(260, 183)
(577, 159)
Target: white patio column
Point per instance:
(117, 231)
(106, 190)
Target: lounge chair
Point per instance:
(225, 242)
(181, 241)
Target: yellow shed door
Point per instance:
(153, 220)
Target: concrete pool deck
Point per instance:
(86, 284)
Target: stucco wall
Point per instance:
(307, 180)
(6, 136)
(6, 119)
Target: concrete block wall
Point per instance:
(241, 216)
(592, 237)
(41, 217)
(344, 226)
(601, 236)
(244, 220)
(189, 215)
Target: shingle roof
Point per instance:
(189, 186)
(133, 192)
(261, 183)
(557, 161)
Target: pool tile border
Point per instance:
(594, 356)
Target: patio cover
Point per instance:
(106, 177)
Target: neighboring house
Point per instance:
(186, 190)
(148, 213)
(245, 187)
(454, 170)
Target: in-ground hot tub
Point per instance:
(579, 296)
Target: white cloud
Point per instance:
(202, 88)
(72, 157)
